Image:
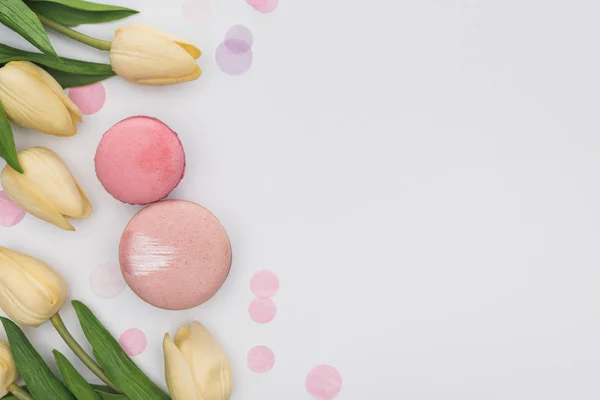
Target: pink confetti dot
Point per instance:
(106, 280)
(10, 213)
(89, 99)
(240, 32)
(196, 11)
(133, 341)
(234, 62)
(267, 6)
(264, 284)
(261, 359)
(262, 311)
(323, 382)
(255, 3)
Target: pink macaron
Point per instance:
(175, 254)
(140, 160)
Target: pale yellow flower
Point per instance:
(146, 55)
(30, 291)
(46, 189)
(8, 370)
(33, 99)
(196, 367)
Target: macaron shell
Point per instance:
(175, 254)
(140, 160)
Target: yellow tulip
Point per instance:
(145, 55)
(8, 369)
(47, 189)
(33, 99)
(196, 367)
(30, 291)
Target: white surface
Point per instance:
(422, 176)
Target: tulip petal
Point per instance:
(53, 85)
(54, 182)
(29, 102)
(18, 190)
(140, 55)
(177, 373)
(210, 367)
(30, 291)
(189, 47)
(8, 369)
(158, 82)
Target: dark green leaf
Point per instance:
(69, 80)
(117, 365)
(73, 380)
(68, 72)
(8, 150)
(42, 384)
(111, 396)
(103, 388)
(8, 54)
(17, 16)
(106, 393)
(79, 12)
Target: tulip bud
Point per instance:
(195, 366)
(46, 189)
(145, 55)
(33, 99)
(8, 369)
(30, 291)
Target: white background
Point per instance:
(422, 176)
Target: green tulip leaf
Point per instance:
(73, 379)
(69, 80)
(117, 365)
(69, 65)
(8, 150)
(103, 392)
(68, 72)
(41, 383)
(79, 12)
(111, 396)
(16, 15)
(107, 393)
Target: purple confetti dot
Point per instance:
(241, 33)
(236, 46)
(232, 63)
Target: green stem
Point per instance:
(19, 393)
(60, 327)
(80, 37)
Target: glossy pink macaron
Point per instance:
(140, 160)
(175, 254)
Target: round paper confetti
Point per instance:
(133, 341)
(196, 11)
(10, 213)
(89, 99)
(234, 62)
(255, 3)
(261, 359)
(236, 46)
(106, 280)
(267, 6)
(262, 311)
(241, 33)
(324, 382)
(264, 284)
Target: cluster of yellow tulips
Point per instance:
(141, 54)
(31, 293)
